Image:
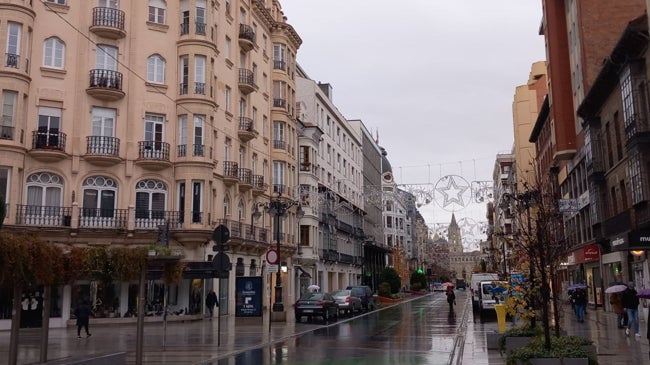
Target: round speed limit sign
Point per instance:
(272, 257)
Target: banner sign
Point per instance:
(248, 296)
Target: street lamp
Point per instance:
(278, 208)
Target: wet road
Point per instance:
(421, 331)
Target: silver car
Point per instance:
(348, 303)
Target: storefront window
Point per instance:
(104, 298)
(31, 314)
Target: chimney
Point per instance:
(327, 89)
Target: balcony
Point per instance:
(183, 89)
(198, 150)
(246, 131)
(279, 65)
(279, 103)
(12, 60)
(153, 155)
(108, 23)
(259, 187)
(102, 150)
(152, 218)
(246, 81)
(7, 132)
(279, 144)
(48, 145)
(103, 218)
(200, 28)
(245, 179)
(280, 189)
(43, 216)
(230, 172)
(105, 85)
(246, 37)
(199, 88)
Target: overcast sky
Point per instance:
(434, 78)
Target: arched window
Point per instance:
(240, 211)
(99, 195)
(44, 199)
(53, 53)
(44, 189)
(156, 69)
(226, 206)
(150, 200)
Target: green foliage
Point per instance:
(26, 261)
(390, 276)
(418, 280)
(561, 347)
(127, 263)
(384, 290)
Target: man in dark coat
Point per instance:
(631, 304)
(211, 301)
(83, 313)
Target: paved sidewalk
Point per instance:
(194, 342)
(613, 347)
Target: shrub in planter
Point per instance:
(520, 331)
(384, 290)
(562, 347)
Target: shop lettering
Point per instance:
(644, 239)
(618, 241)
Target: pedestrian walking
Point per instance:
(617, 306)
(580, 300)
(211, 301)
(451, 298)
(83, 313)
(631, 304)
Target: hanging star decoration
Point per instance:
(452, 192)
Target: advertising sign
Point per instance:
(248, 296)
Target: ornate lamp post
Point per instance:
(278, 208)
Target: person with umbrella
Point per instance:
(631, 304)
(617, 306)
(579, 298)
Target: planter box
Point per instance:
(516, 342)
(492, 340)
(556, 361)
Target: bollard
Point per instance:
(501, 316)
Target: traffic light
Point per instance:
(420, 271)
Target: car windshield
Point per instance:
(341, 293)
(312, 296)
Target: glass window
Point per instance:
(156, 69)
(53, 53)
(60, 2)
(150, 199)
(44, 195)
(99, 196)
(157, 10)
(49, 126)
(8, 112)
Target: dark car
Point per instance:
(316, 305)
(348, 303)
(461, 284)
(368, 300)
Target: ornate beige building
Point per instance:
(122, 116)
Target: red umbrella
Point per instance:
(449, 283)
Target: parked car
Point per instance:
(316, 305)
(348, 302)
(363, 292)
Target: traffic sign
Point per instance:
(272, 268)
(221, 262)
(272, 256)
(221, 234)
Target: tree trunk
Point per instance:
(15, 326)
(45, 327)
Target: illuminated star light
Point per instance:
(456, 192)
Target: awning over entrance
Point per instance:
(303, 273)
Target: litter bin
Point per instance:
(501, 316)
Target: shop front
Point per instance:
(583, 265)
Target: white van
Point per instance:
(474, 285)
(490, 293)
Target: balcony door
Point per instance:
(44, 199)
(49, 125)
(98, 204)
(103, 132)
(150, 200)
(153, 136)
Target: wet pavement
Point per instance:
(435, 338)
